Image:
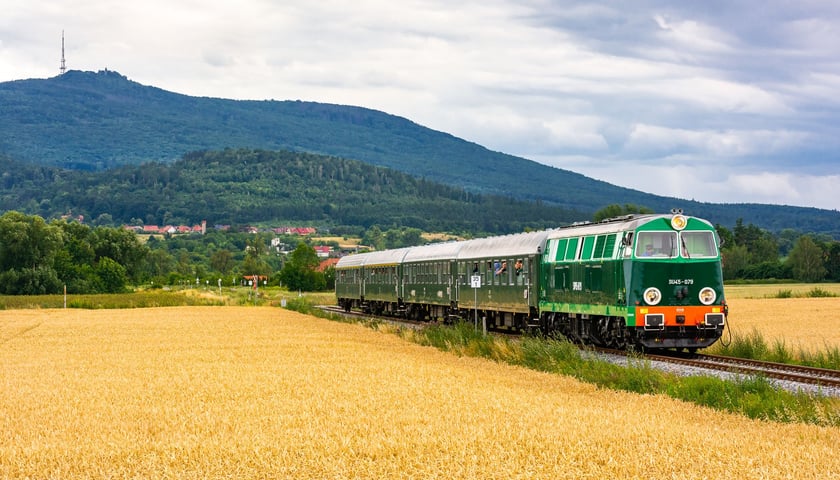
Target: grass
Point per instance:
(151, 298)
(753, 397)
(754, 346)
(241, 296)
(781, 290)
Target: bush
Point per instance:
(818, 292)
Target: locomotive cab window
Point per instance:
(698, 244)
(656, 244)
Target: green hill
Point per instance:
(247, 187)
(100, 121)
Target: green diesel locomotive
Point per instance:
(652, 281)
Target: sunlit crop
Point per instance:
(262, 392)
(807, 323)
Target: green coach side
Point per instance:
(507, 270)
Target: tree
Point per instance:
(806, 260)
(254, 263)
(616, 210)
(727, 239)
(832, 263)
(760, 244)
(299, 272)
(735, 260)
(222, 261)
(374, 238)
(159, 263)
(111, 274)
(28, 247)
(27, 241)
(121, 246)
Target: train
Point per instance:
(645, 281)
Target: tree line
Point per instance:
(40, 257)
(749, 252)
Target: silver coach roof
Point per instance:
(498, 246)
(505, 245)
(383, 257)
(434, 251)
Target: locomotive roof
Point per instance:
(621, 224)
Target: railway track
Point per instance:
(780, 371)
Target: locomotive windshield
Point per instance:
(694, 244)
(698, 244)
(656, 244)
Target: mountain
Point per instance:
(101, 120)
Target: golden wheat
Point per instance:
(812, 324)
(259, 392)
(772, 290)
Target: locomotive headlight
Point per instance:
(707, 296)
(652, 296)
(678, 222)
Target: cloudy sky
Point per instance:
(715, 101)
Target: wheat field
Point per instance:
(812, 324)
(260, 392)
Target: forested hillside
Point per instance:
(95, 121)
(246, 186)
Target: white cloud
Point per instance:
(693, 36)
(656, 141)
(706, 182)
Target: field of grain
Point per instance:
(772, 290)
(812, 324)
(260, 392)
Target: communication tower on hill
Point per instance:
(63, 66)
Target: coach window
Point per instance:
(520, 271)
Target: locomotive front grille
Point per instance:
(654, 321)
